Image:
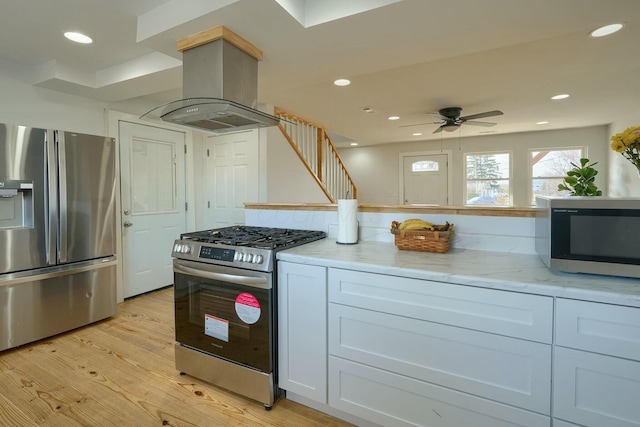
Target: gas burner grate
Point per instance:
(256, 237)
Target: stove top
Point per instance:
(241, 246)
(255, 237)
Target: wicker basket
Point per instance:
(422, 240)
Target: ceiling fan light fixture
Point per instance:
(452, 127)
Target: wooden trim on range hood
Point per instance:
(216, 33)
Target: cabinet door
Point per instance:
(596, 390)
(513, 314)
(302, 330)
(393, 400)
(504, 369)
(601, 328)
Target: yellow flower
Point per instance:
(617, 145)
(627, 143)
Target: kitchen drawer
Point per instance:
(595, 390)
(394, 400)
(601, 328)
(514, 314)
(496, 367)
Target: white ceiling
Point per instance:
(404, 58)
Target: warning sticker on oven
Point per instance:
(216, 327)
(247, 308)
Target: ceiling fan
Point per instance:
(450, 119)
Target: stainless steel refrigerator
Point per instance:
(57, 232)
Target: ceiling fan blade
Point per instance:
(482, 115)
(420, 124)
(437, 130)
(486, 124)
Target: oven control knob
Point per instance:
(186, 249)
(237, 256)
(258, 259)
(246, 257)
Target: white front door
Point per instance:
(425, 179)
(232, 177)
(153, 204)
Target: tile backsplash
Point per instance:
(485, 233)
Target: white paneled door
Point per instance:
(153, 204)
(425, 180)
(232, 177)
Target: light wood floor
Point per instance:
(120, 372)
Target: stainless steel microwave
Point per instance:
(599, 235)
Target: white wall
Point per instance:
(27, 105)
(623, 179)
(375, 169)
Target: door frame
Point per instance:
(112, 125)
(402, 156)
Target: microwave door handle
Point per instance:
(256, 282)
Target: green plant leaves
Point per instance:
(580, 180)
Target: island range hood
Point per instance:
(219, 85)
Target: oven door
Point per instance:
(226, 312)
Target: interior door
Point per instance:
(425, 180)
(232, 177)
(153, 204)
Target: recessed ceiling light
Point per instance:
(354, 144)
(563, 96)
(342, 82)
(394, 117)
(78, 37)
(606, 30)
(542, 123)
(417, 134)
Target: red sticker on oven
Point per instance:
(247, 308)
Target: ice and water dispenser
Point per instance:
(16, 204)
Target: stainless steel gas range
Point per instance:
(225, 306)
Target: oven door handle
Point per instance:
(256, 282)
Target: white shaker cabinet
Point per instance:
(597, 364)
(302, 330)
(408, 352)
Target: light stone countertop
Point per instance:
(496, 270)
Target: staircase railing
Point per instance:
(314, 147)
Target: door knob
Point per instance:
(128, 224)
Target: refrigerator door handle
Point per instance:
(51, 229)
(62, 188)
